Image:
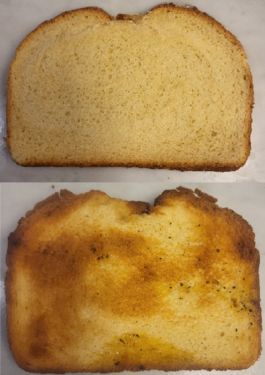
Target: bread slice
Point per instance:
(167, 89)
(96, 284)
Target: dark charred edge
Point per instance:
(139, 208)
(124, 17)
(14, 241)
(205, 196)
(128, 17)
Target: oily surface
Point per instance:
(99, 284)
(169, 89)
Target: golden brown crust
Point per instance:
(219, 167)
(183, 167)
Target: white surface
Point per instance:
(244, 18)
(247, 200)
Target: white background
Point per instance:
(244, 18)
(247, 199)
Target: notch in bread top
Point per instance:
(97, 284)
(167, 89)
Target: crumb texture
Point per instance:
(167, 89)
(96, 284)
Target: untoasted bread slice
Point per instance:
(96, 284)
(167, 89)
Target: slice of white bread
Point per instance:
(167, 89)
(96, 284)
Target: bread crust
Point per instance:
(182, 166)
(57, 208)
(169, 166)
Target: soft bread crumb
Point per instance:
(168, 89)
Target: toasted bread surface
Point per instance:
(167, 89)
(96, 284)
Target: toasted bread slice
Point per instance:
(96, 284)
(167, 89)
